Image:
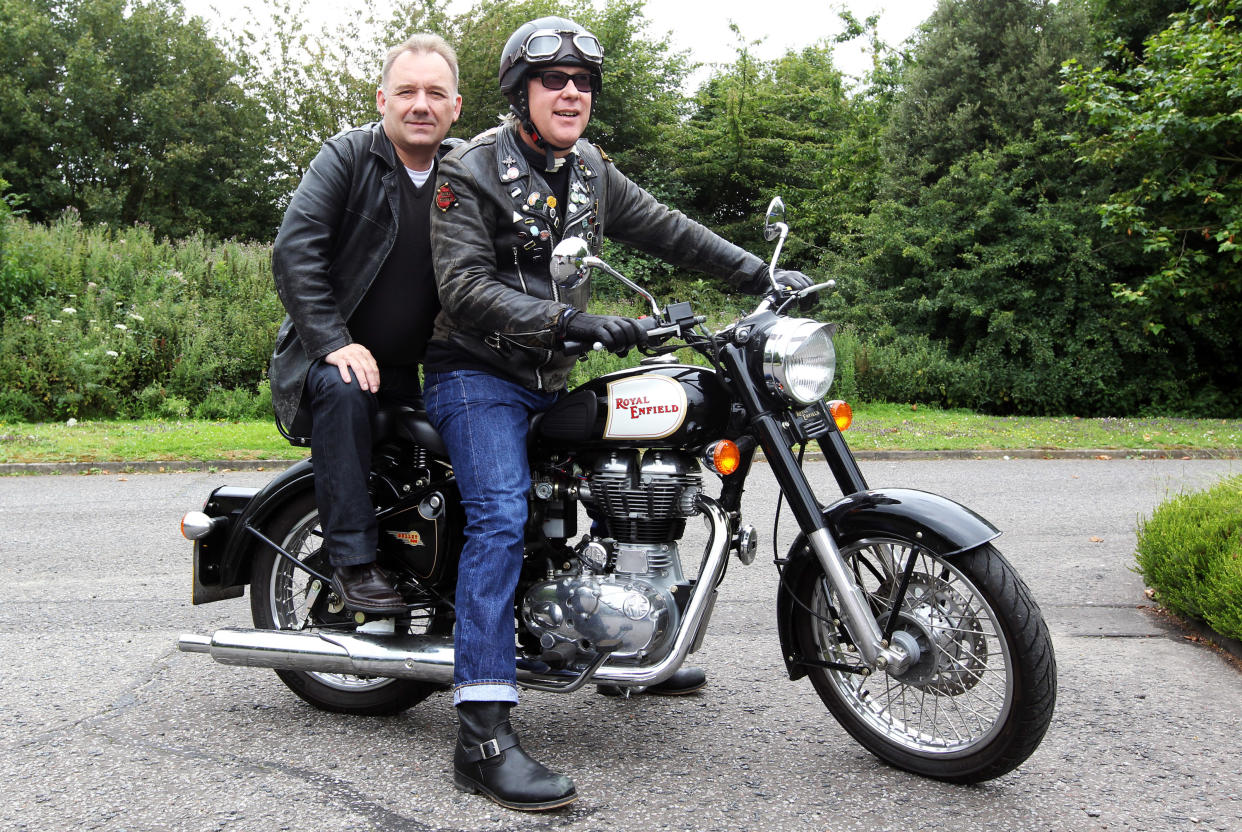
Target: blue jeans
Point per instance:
(484, 420)
(342, 418)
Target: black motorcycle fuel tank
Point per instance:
(665, 406)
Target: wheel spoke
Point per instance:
(957, 693)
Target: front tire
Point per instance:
(980, 696)
(279, 592)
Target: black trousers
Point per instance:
(343, 417)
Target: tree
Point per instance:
(980, 256)
(786, 127)
(1164, 129)
(129, 113)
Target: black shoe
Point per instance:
(365, 588)
(685, 680)
(489, 760)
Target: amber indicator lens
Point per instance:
(842, 413)
(723, 456)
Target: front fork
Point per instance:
(854, 609)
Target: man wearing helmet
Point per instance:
(504, 200)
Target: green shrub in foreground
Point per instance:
(1190, 552)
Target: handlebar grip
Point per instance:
(580, 347)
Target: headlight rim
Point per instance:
(782, 343)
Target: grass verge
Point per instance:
(876, 427)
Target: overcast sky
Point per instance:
(701, 27)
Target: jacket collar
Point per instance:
(522, 182)
(381, 146)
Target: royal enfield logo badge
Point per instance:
(645, 407)
(408, 538)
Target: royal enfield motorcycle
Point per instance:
(919, 637)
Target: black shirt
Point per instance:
(395, 317)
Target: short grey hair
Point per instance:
(422, 43)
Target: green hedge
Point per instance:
(106, 323)
(1190, 552)
(98, 322)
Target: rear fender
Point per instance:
(226, 502)
(943, 526)
(222, 559)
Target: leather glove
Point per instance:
(794, 280)
(760, 284)
(616, 333)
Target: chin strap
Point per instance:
(521, 109)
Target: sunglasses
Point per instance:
(554, 79)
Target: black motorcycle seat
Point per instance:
(411, 425)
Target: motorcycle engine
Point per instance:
(620, 595)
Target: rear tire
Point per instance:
(980, 698)
(278, 595)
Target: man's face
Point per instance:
(418, 103)
(560, 116)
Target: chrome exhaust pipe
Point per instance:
(430, 658)
(425, 658)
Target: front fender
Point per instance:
(937, 523)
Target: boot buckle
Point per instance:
(489, 749)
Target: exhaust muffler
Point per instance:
(430, 658)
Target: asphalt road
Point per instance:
(104, 725)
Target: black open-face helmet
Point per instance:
(547, 41)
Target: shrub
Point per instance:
(107, 323)
(1190, 552)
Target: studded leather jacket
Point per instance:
(492, 239)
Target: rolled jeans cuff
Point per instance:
(485, 692)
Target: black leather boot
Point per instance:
(367, 589)
(489, 760)
(685, 680)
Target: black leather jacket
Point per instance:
(339, 228)
(492, 240)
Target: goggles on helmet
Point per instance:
(543, 45)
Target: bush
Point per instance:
(115, 323)
(1190, 553)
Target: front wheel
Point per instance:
(281, 599)
(978, 696)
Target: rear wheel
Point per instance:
(979, 695)
(284, 597)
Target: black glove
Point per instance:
(760, 284)
(794, 280)
(617, 334)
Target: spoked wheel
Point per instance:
(977, 696)
(284, 597)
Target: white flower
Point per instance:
(112, 353)
(92, 285)
(69, 310)
(55, 321)
(135, 316)
(122, 327)
(71, 422)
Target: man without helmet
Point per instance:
(352, 264)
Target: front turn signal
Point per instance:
(723, 456)
(842, 413)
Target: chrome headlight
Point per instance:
(799, 360)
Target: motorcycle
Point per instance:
(919, 637)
